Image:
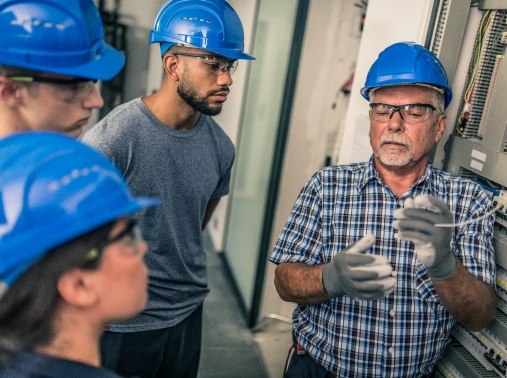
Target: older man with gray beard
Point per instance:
(380, 256)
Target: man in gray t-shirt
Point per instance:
(169, 147)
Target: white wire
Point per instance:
(470, 221)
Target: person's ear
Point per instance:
(76, 289)
(10, 92)
(442, 122)
(172, 66)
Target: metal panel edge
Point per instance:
(459, 152)
(452, 38)
(492, 4)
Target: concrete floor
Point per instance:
(229, 348)
(273, 338)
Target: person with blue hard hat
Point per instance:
(383, 257)
(52, 53)
(71, 259)
(168, 145)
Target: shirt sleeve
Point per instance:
(226, 154)
(108, 139)
(474, 242)
(227, 160)
(301, 238)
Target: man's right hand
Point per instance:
(356, 274)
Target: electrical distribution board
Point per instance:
(477, 149)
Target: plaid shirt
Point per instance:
(403, 334)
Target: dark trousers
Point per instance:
(172, 352)
(303, 366)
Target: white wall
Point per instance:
(139, 18)
(230, 117)
(328, 59)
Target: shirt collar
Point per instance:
(369, 174)
(429, 182)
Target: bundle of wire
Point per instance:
(472, 74)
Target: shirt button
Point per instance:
(394, 273)
(391, 312)
(396, 236)
(391, 350)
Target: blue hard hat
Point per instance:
(54, 189)
(55, 36)
(407, 63)
(211, 25)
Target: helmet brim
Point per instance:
(106, 66)
(231, 54)
(48, 237)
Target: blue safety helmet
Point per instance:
(54, 189)
(210, 25)
(63, 37)
(407, 63)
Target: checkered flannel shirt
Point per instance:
(403, 334)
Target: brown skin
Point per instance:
(212, 204)
(179, 115)
(38, 107)
(471, 301)
(300, 283)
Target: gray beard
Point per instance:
(396, 160)
(394, 157)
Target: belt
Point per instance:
(298, 348)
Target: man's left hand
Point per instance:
(416, 223)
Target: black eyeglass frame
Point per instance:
(97, 251)
(231, 65)
(398, 109)
(130, 226)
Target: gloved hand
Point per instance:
(358, 275)
(416, 223)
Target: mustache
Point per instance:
(394, 138)
(220, 90)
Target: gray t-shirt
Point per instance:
(185, 169)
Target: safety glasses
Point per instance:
(410, 113)
(216, 64)
(70, 90)
(131, 236)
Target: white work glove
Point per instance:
(358, 275)
(416, 223)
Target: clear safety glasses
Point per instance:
(131, 236)
(216, 64)
(410, 113)
(70, 90)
